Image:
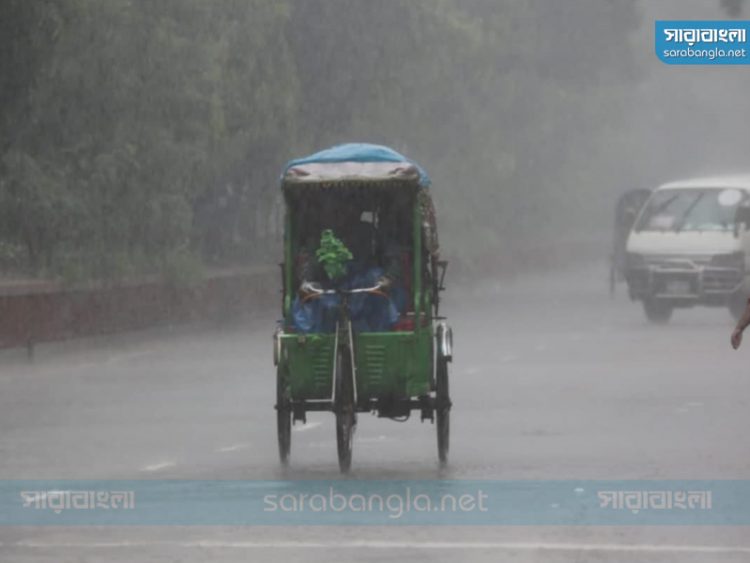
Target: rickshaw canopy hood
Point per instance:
(354, 162)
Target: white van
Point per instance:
(690, 245)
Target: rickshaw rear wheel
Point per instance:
(345, 416)
(283, 417)
(443, 409)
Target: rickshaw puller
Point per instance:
(312, 313)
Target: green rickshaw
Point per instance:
(348, 363)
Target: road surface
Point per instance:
(551, 380)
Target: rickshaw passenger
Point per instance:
(369, 312)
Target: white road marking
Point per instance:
(510, 546)
(159, 466)
(233, 448)
(306, 427)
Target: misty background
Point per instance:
(148, 137)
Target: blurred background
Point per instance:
(146, 138)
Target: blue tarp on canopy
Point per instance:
(359, 152)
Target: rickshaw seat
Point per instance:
(406, 322)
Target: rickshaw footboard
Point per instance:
(385, 407)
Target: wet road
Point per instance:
(551, 380)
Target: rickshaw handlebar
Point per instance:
(375, 289)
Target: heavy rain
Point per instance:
(374, 280)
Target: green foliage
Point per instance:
(139, 134)
(333, 255)
(11, 256)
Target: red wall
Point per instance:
(39, 314)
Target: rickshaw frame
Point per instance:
(391, 373)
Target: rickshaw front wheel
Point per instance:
(283, 417)
(345, 416)
(443, 409)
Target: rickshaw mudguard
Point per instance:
(387, 363)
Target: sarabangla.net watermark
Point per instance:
(635, 501)
(395, 505)
(702, 42)
(58, 501)
(710, 54)
(374, 502)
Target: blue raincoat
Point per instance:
(368, 312)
